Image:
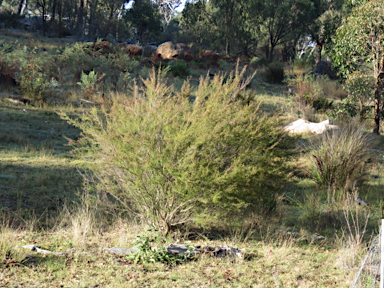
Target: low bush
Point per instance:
(31, 69)
(149, 254)
(168, 160)
(322, 104)
(339, 157)
(178, 68)
(10, 20)
(274, 73)
(90, 82)
(257, 62)
(361, 91)
(304, 89)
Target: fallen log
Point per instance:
(18, 100)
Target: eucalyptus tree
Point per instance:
(320, 22)
(197, 21)
(43, 7)
(145, 16)
(167, 9)
(359, 46)
(236, 22)
(280, 18)
(232, 23)
(22, 6)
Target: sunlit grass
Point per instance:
(288, 265)
(33, 39)
(40, 182)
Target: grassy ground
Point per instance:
(37, 173)
(272, 266)
(39, 182)
(41, 188)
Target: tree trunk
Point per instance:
(22, 6)
(271, 53)
(266, 51)
(53, 5)
(92, 26)
(60, 12)
(227, 47)
(118, 23)
(80, 16)
(379, 90)
(44, 11)
(319, 49)
(244, 51)
(109, 20)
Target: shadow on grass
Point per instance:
(37, 191)
(34, 128)
(37, 172)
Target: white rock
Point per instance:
(301, 126)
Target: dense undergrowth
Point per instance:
(205, 160)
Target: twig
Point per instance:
(275, 279)
(87, 101)
(362, 266)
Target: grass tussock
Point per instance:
(352, 241)
(332, 88)
(10, 254)
(339, 156)
(83, 226)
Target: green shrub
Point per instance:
(123, 62)
(339, 157)
(30, 68)
(178, 68)
(254, 62)
(308, 91)
(304, 63)
(263, 61)
(33, 83)
(322, 104)
(90, 82)
(169, 160)
(224, 65)
(361, 89)
(10, 19)
(149, 254)
(75, 59)
(275, 73)
(202, 65)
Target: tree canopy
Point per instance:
(359, 46)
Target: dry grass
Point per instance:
(332, 88)
(269, 264)
(17, 33)
(8, 251)
(33, 39)
(44, 178)
(83, 225)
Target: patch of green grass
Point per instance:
(33, 39)
(37, 173)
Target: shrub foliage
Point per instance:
(168, 158)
